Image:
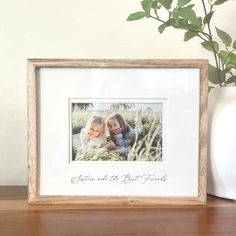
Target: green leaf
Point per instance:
(199, 21)
(190, 15)
(234, 44)
(136, 16)
(188, 35)
(208, 46)
(154, 4)
(231, 80)
(219, 2)
(182, 22)
(147, 5)
(231, 66)
(166, 3)
(210, 88)
(182, 3)
(208, 17)
(162, 27)
(232, 58)
(228, 58)
(172, 21)
(224, 56)
(226, 38)
(190, 6)
(214, 75)
(179, 23)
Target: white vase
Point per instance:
(221, 180)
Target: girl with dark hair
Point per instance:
(122, 134)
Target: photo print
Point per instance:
(116, 130)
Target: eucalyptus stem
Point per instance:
(195, 31)
(211, 40)
(223, 68)
(182, 16)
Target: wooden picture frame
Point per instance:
(178, 179)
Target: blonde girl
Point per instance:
(93, 135)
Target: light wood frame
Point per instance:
(93, 201)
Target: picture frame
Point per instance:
(160, 163)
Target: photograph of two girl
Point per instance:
(116, 131)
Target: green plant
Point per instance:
(182, 15)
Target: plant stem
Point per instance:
(223, 68)
(195, 31)
(211, 40)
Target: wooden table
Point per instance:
(218, 217)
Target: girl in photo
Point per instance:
(93, 135)
(121, 134)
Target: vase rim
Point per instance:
(218, 89)
(229, 87)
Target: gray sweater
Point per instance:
(125, 142)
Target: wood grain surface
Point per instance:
(217, 217)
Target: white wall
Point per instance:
(73, 29)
